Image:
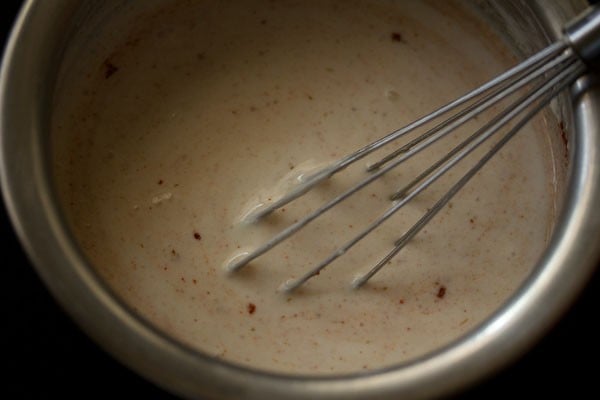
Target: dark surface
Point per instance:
(45, 355)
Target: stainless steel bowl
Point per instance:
(28, 80)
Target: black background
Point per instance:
(45, 355)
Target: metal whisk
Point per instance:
(542, 76)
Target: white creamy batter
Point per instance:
(172, 127)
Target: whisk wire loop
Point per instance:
(495, 94)
(557, 82)
(533, 61)
(560, 82)
(539, 58)
(535, 82)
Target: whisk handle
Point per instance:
(583, 34)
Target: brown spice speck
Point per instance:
(396, 37)
(197, 236)
(109, 69)
(160, 181)
(565, 138)
(251, 308)
(441, 292)
(563, 133)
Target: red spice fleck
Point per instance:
(197, 236)
(251, 308)
(396, 37)
(441, 292)
(195, 281)
(182, 279)
(563, 133)
(401, 301)
(109, 69)
(565, 138)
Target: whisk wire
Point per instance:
(539, 58)
(561, 81)
(486, 101)
(240, 262)
(566, 59)
(534, 83)
(466, 147)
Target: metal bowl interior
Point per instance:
(28, 80)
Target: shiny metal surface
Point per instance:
(27, 80)
(583, 34)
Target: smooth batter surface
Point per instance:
(171, 128)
